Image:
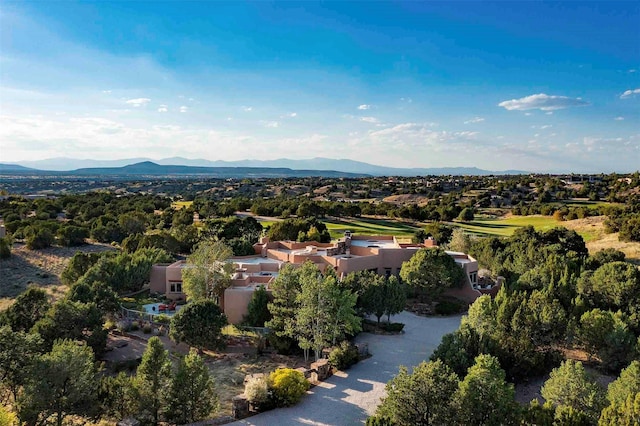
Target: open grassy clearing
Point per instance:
(583, 202)
(177, 205)
(41, 268)
(366, 226)
(505, 227)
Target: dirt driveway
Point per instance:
(349, 398)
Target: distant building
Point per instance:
(383, 255)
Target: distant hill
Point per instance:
(148, 168)
(14, 168)
(313, 164)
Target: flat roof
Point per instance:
(254, 260)
(374, 243)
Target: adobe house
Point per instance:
(383, 255)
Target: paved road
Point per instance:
(349, 398)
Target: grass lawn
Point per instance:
(177, 205)
(506, 227)
(365, 226)
(579, 202)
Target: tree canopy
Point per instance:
(432, 271)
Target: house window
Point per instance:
(175, 286)
(473, 277)
(387, 272)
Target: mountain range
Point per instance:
(308, 166)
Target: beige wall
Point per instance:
(237, 297)
(158, 279)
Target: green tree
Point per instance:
(569, 385)
(626, 413)
(78, 266)
(432, 271)
(614, 285)
(18, 353)
(27, 309)
(258, 309)
(326, 311)
(207, 273)
(38, 237)
(199, 324)
(63, 382)
(118, 396)
(153, 378)
(628, 384)
(484, 397)
(439, 231)
(466, 214)
(605, 334)
(284, 289)
(482, 316)
(373, 297)
(461, 241)
(5, 248)
(396, 297)
(69, 236)
(75, 321)
(192, 395)
(424, 397)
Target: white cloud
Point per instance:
(290, 115)
(527, 114)
(632, 70)
(137, 102)
(184, 108)
(371, 120)
(619, 118)
(163, 108)
(270, 124)
(629, 93)
(408, 100)
(106, 92)
(542, 102)
(247, 108)
(544, 126)
(364, 107)
(474, 120)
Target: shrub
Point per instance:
(393, 327)
(288, 386)
(343, 356)
(146, 329)
(257, 392)
(162, 319)
(5, 248)
(448, 307)
(135, 325)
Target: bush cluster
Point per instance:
(258, 393)
(392, 327)
(284, 387)
(449, 307)
(344, 356)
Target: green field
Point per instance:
(482, 227)
(177, 205)
(506, 227)
(369, 227)
(575, 202)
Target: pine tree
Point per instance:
(153, 378)
(192, 395)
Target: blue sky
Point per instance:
(507, 85)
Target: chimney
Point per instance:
(430, 242)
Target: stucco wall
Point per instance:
(158, 278)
